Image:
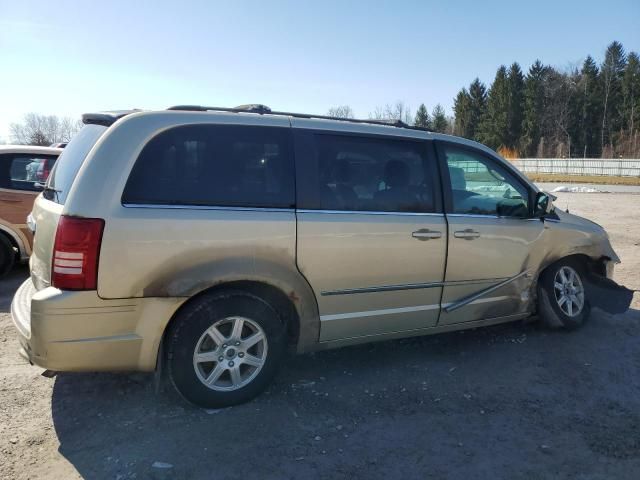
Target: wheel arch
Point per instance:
(15, 241)
(271, 294)
(593, 265)
(298, 321)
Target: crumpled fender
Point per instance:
(567, 235)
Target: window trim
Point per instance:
(446, 180)
(169, 206)
(306, 170)
(369, 212)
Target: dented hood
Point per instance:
(571, 219)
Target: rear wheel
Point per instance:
(7, 255)
(562, 298)
(225, 349)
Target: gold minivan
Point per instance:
(205, 242)
(23, 172)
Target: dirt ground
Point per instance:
(512, 401)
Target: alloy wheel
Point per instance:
(230, 354)
(569, 291)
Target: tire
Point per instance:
(562, 297)
(7, 255)
(205, 348)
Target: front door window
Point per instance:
(482, 187)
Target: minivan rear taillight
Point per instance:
(75, 253)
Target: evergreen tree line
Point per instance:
(593, 111)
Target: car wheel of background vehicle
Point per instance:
(562, 298)
(225, 348)
(7, 255)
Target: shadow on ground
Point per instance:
(511, 401)
(9, 284)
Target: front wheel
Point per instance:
(225, 349)
(562, 297)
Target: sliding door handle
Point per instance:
(467, 234)
(426, 234)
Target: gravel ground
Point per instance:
(511, 401)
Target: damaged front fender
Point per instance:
(571, 235)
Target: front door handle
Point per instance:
(467, 234)
(426, 234)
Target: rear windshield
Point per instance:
(70, 161)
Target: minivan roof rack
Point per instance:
(110, 117)
(263, 109)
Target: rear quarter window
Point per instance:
(214, 165)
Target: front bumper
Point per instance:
(609, 267)
(79, 331)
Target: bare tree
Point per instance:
(555, 121)
(44, 130)
(341, 111)
(398, 111)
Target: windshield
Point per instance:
(70, 161)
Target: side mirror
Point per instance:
(543, 205)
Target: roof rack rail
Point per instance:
(263, 109)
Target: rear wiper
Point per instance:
(46, 189)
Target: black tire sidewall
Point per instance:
(7, 255)
(568, 323)
(192, 322)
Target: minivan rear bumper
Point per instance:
(78, 331)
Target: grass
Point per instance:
(602, 180)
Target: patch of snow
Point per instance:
(577, 189)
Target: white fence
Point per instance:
(580, 166)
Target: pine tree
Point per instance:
(462, 114)
(440, 122)
(478, 108)
(611, 73)
(422, 117)
(494, 125)
(533, 104)
(631, 93)
(589, 105)
(514, 112)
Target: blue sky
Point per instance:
(67, 57)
